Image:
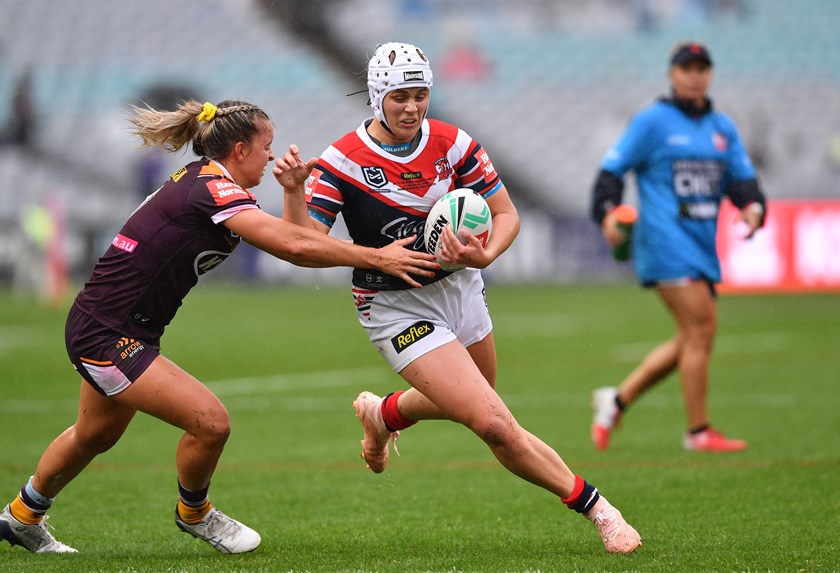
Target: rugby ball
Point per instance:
(459, 210)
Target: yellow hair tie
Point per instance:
(208, 113)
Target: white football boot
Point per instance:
(222, 532)
(375, 443)
(617, 535)
(36, 538)
(605, 416)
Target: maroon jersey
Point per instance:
(171, 239)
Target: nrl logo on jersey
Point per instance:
(375, 177)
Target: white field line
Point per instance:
(282, 383)
(250, 386)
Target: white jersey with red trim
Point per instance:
(384, 197)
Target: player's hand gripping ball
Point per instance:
(460, 209)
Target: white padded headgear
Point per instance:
(395, 66)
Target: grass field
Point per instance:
(288, 363)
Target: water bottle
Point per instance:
(625, 217)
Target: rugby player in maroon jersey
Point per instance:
(183, 230)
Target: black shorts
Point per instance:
(109, 361)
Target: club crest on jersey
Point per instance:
(719, 141)
(443, 168)
(375, 176)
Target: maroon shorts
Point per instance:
(108, 360)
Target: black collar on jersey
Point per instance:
(689, 108)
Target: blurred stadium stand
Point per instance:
(544, 85)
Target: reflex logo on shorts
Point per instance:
(412, 334)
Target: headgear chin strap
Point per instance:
(395, 66)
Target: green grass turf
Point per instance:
(288, 363)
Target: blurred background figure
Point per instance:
(463, 59)
(687, 157)
(21, 124)
(150, 170)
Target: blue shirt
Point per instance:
(683, 166)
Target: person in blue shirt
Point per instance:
(686, 157)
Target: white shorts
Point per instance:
(406, 324)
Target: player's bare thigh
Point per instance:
(484, 355)
(692, 306)
(173, 395)
(450, 379)
(101, 420)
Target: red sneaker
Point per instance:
(711, 440)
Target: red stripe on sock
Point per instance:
(576, 491)
(391, 413)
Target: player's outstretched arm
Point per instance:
(307, 247)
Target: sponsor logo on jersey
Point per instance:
(413, 76)
(411, 175)
(699, 210)
(208, 260)
(312, 181)
(128, 347)
(178, 174)
(404, 227)
(412, 334)
(224, 191)
(697, 178)
(375, 176)
(678, 139)
(487, 166)
(142, 319)
(123, 243)
(719, 141)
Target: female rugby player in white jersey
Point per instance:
(383, 178)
